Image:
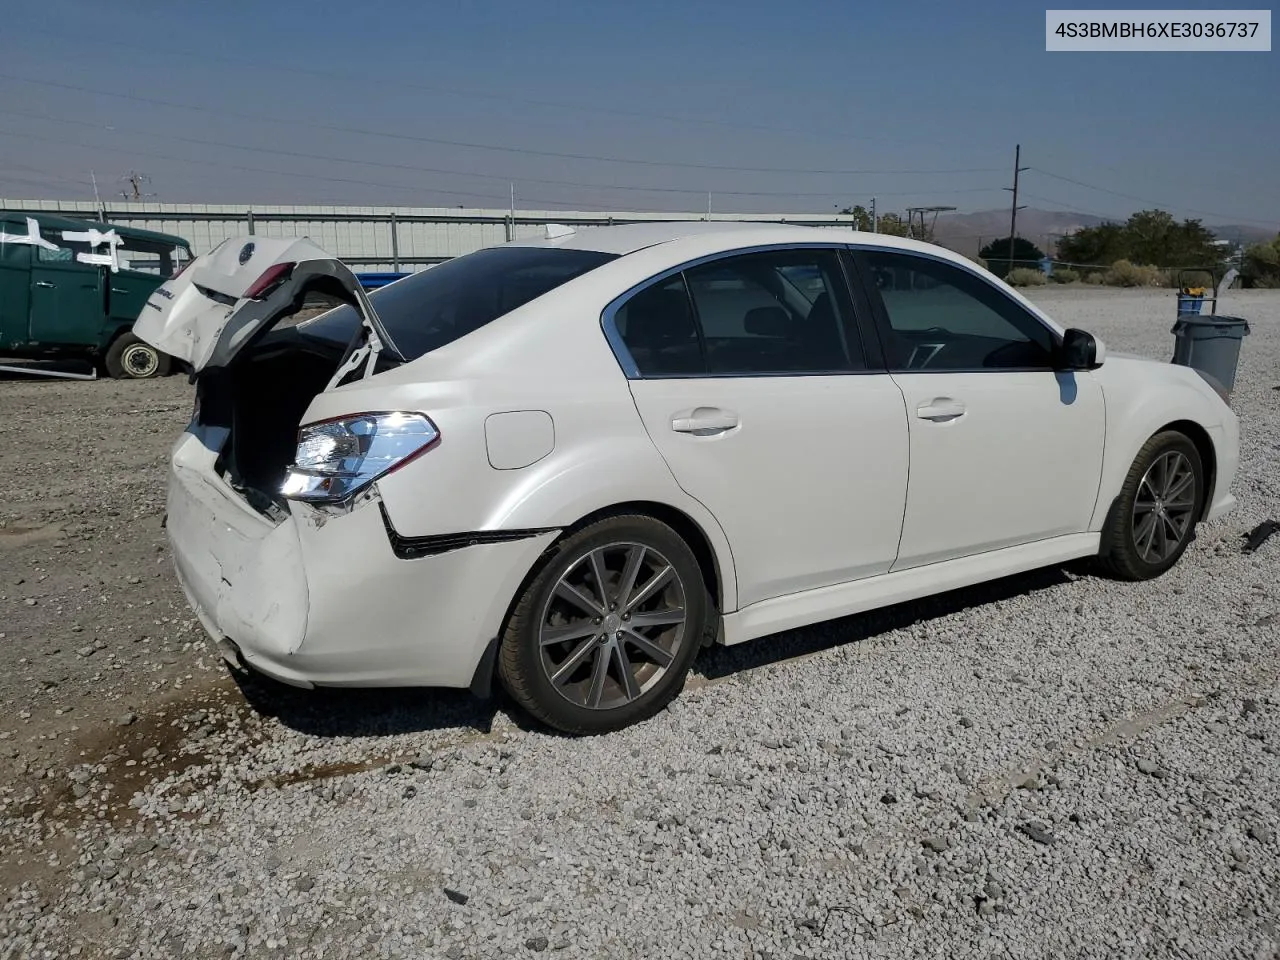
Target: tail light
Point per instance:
(271, 278)
(336, 459)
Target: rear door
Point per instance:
(1004, 449)
(68, 302)
(750, 376)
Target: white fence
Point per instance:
(368, 238)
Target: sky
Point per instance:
(804, 106)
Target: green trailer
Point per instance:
(73, 288)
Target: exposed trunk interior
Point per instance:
(261, 398)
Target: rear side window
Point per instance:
(776, 313)
(443, 303)
(658, 328)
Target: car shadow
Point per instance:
(380, 712)
(718, 662)
(333, 712)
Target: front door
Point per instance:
(15, 288)
(753, 385)
(1004, 450)
(67, 299)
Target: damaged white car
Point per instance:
(569, 462)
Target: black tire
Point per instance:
(129, 358)
(525, 663)
(1123, 536)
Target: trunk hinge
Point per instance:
(366, 354)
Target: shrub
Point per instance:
(1025, 277)
(1093, 276)
(1064, 275)
(980, 262)
(1126, 274)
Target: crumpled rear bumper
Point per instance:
(322, 600)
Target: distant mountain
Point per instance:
(966, 233)
(1243, 233)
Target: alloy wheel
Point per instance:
(1163, 506)
(614, 624)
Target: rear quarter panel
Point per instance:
(551, 356)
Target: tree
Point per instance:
(1262, 264)
(893, 225)
(889, 223)
(996, 253)
(861, 217)
(1148, 237)
(1102, 245)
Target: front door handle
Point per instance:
(46, 284)
(704, 421)
(941, 410)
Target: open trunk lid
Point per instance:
(242, 287)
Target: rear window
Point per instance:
(437, 306)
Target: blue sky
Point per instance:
(800, 106)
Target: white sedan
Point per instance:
(569, 462)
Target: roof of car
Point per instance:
(55, 222)
(627, 238)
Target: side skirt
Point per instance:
(827, 603)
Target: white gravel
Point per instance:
(1053, 765)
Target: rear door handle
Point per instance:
(118, 290)
(705, 421)
(940, 410)
(43, 283)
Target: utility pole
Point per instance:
(135, 181)
(511, 217)
(875, 226)
(1013, 213)
(102, 216)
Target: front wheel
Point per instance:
(1154, 518)
(605, 633)
(129, 358)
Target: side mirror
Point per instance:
(1079, 350)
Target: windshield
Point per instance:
(433, 308)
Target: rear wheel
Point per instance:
(129, 358)
(605, 633)
(1154, 518)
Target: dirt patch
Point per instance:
(21, 534)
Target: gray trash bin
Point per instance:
(1210, 344)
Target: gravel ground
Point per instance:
(1051, 765)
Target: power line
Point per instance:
(295, 154)
(427, 191)
(204, 53)
(1158, 203)
(439, 141)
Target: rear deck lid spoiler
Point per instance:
(242, 287)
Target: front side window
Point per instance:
(941, 317)
(65, 253)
